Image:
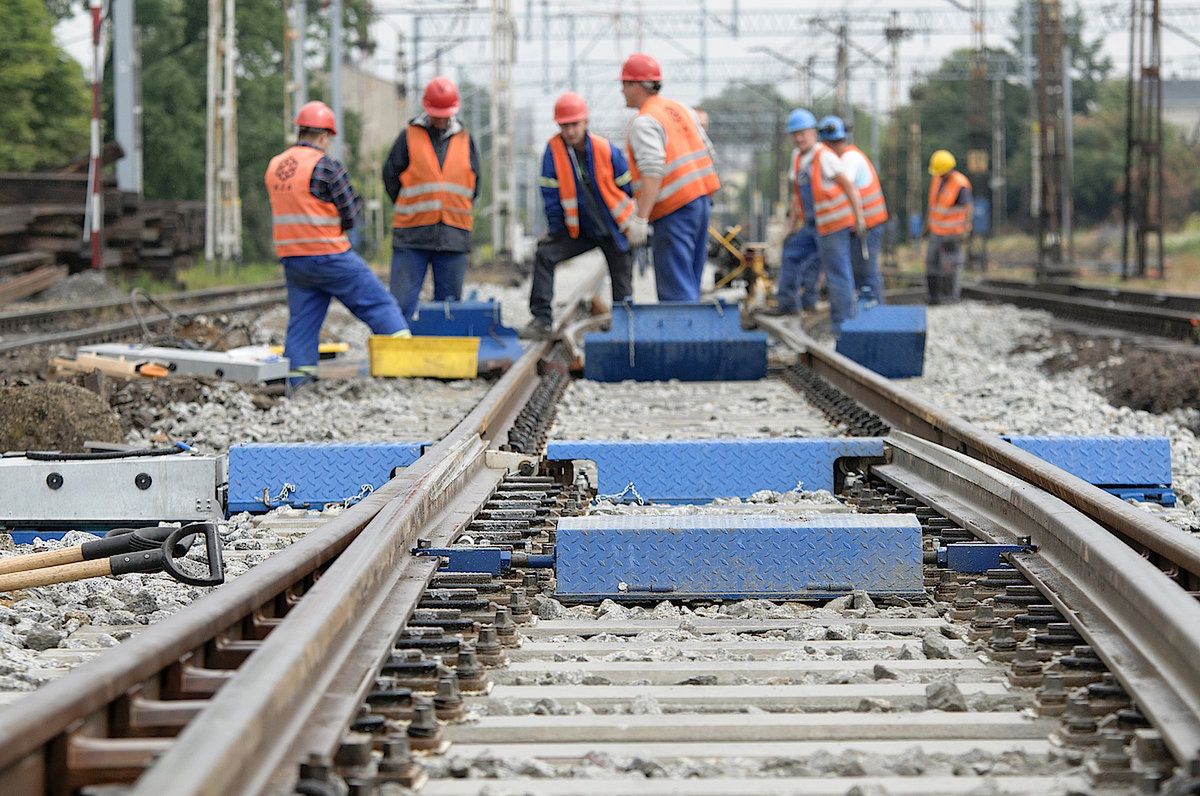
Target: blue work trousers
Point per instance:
(408, 274)
(311, 283)
(839, 277)
(800, 255)
(680, 248)
(866, 271)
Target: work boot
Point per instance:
(537, 329)
(779, 311)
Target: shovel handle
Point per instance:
(60, 574)
(49, 558)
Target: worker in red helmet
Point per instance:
(432, 178)
(671, 160)
(588, 201)
(313, 204)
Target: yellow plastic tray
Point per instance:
(424, 357)
(323, 349)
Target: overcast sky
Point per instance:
(632, 24)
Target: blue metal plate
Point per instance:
(689, 342)
(889, 340)
(498, 344)
(1105, 461)
(736, 557)
(321, 472)
(697, 471)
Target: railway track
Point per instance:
(116, 319)
(1171, 316)
(345, 659)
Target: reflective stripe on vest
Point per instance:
(433, 193)
(689, 172)
(830, 203)
(874, 207)
(619, 205)
(301, 224)
(946, 218)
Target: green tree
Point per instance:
(44, 114)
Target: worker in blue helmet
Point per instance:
(825, 207)
(868, 278)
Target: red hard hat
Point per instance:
(570, 107)
(440, 99)
(318, 116)
(639, 67)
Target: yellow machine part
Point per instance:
(424, 357)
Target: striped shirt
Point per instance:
(331, 183)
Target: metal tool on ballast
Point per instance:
(162, 557)
(118, 540)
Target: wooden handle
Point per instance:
(50, 558)
(48, 575)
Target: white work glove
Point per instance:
(402, 333)
(638, 231)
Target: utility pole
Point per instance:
(1054, 191)
(299, 68)
(289, 38)
(336, 146)
(503, 176)
(978, 165)
(842, 79)
(94, 203)
(1143, 199)
(894, 34)
(223, 216)
(127, 96)
(916, 180)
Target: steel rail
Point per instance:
(1144, 627)
(1143, 318)
(121, 329)
(1176, 553)
(1185, 302)
(69, 721)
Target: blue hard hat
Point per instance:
(801, 119)
(831, 128)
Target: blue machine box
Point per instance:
(737, 557)
(888, 339)
(689, 342)
(498, 344)
(697, 471)
(320, 472)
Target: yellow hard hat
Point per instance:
(941, 162)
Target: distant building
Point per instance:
(1181, 107)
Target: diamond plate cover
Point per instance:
(697, 471)
(321, 472)
(889, 340)
(1105, 461)
(498, 344)
(689, 342)
(737, 557)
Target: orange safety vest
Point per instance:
(946, 218)
(618, 203)
(690, 173)
(431, 193)
(830, 203)
(302, 224)
(874, 207)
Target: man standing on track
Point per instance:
(949, 224)
(832, 131)
(432, 177)
(586, 191)
(312, 207)
(671, 160)
(824, 196)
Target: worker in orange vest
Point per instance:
(312, 206)
(864, 260)
(949, 224)
(432, 178)
(826, 211)
(588, 201)
(671, 160)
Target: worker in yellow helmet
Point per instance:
(949, 224)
